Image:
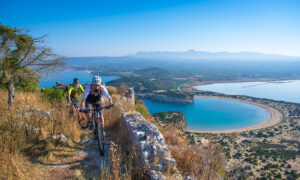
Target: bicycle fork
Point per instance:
(96, 121)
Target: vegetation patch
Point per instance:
(173, 118)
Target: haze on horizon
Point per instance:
(118, 28)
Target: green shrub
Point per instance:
(141, 109)
(53, 94)
(28, 86)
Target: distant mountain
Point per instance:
(192, 54)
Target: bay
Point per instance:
(67, 76)
(288, 91)
(207, 114)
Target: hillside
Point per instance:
(192, 54)
(147, 84)
(196, 70)
(40, 140)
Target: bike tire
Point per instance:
(100, 136)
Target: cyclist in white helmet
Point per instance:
(92, 95)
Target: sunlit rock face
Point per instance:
(149, 144)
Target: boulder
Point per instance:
(58, 139)
(150, 146)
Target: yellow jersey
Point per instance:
(75, 90)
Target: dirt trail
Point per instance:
(86, 162)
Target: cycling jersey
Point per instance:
(75, 90)
(88, 90)
(93, 97)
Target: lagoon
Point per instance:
(207, 114)
(67, 76)
(288, 91)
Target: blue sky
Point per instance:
(116, 28)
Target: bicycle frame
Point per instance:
(98, 127)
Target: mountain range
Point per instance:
(192, 54)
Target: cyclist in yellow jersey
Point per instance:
(74, 91)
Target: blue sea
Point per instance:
(288, 91)
(205, 114)
(67, 76)
(214, 114)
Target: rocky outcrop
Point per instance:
(46, 114)
(130, 94)
(58, 139)
(149, 144)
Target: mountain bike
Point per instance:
(97, 123)
(74, 111)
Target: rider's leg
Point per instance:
(89, 109)
(99, 104)
(102, 119)
(89, 115)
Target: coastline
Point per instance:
(275, 117)
(265, 80)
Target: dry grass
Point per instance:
(20, 145)
(200, 162)
(113, 116)
(123, 89)
(23, 135)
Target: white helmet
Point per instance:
(96, 80)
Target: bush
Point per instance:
(112, 90)
(27, 86)
(122, 89)
(141, 108)
(53, 94)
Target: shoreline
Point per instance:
(275, 117)
(265, 80)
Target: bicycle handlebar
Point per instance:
(97, 109)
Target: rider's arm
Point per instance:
(69, 92)
(81, 88)
(106, 94)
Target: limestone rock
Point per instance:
(150, 145)
(58, 138)
(39, 112)
(130, 94)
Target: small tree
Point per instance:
(22, 57)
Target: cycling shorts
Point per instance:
(89, 106)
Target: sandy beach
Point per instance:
(275, 117)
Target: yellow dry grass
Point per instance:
(20, 145)
(23, 135)
(199, 162)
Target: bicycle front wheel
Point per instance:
(100, 136)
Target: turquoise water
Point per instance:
(279, 90)
(67, 76)
(214, 114)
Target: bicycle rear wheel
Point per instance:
(100, 136)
